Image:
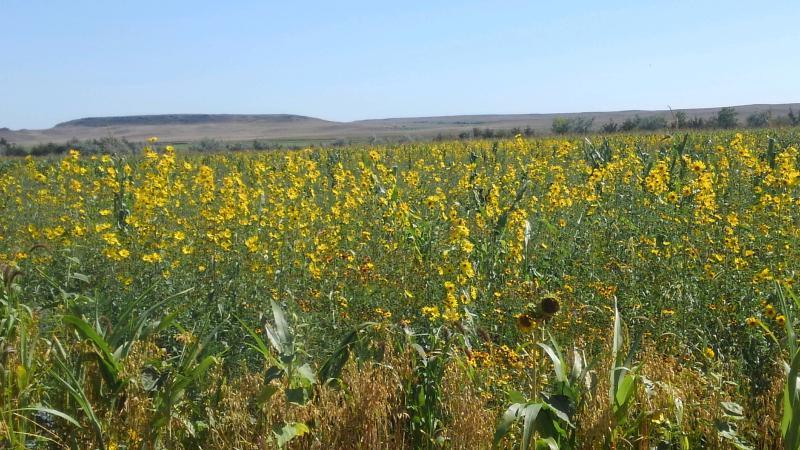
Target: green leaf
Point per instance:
(109, 364)
(52, 412)
(530, 413)
(517, 397)
(80, 276)
(577, 366)
(87, 332)
(75, 390)
(727, 431)
(266, 393)
(558, 363)
(297, 396)
(561, 406)
(290, 431)
(625, 390)
(281, 325)
(615, 353)
(188, 375)
(732, 409)
(203, 367)
(260, 346)
(22, 377)
(506, 420)
(149, 380)
(789, 326)
(546, 444)
(306, 375)
(790, 423)
(273, 373)
(332, 369)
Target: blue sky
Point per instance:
(350, 60)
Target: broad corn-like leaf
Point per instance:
(790, 423)
(110, 366)
(561, 406)
(623, 395)
(558, 364)
(577, 366)
(615, 355)
(52, 412)
(260, 346)
(546, 444)
(77, 393)
(333, 366)
(281, 325)
(530, 413)
(88, 332)
(506, 420)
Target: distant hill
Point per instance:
(180, 119)
(287, 127)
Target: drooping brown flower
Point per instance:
(525, 323)
(549, 306)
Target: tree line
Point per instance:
(89, 147)
(726, 118)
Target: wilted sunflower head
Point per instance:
(549, 305)
(525, 323)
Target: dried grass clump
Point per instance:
(131, 424)
(596, 419)
(367, 413)
(697, 388)
(765, 412)
(701, 392)
(470, 423)
(232, 421)
(673, 380)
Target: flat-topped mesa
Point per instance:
(181, 119)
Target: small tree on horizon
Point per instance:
(561, 125)
(794, 118)
(758, 119)
(680, 119)
(610, 127)
(726, 117)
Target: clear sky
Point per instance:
(348, 60)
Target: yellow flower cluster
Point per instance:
(427, 231)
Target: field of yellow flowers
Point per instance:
(620, 291)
